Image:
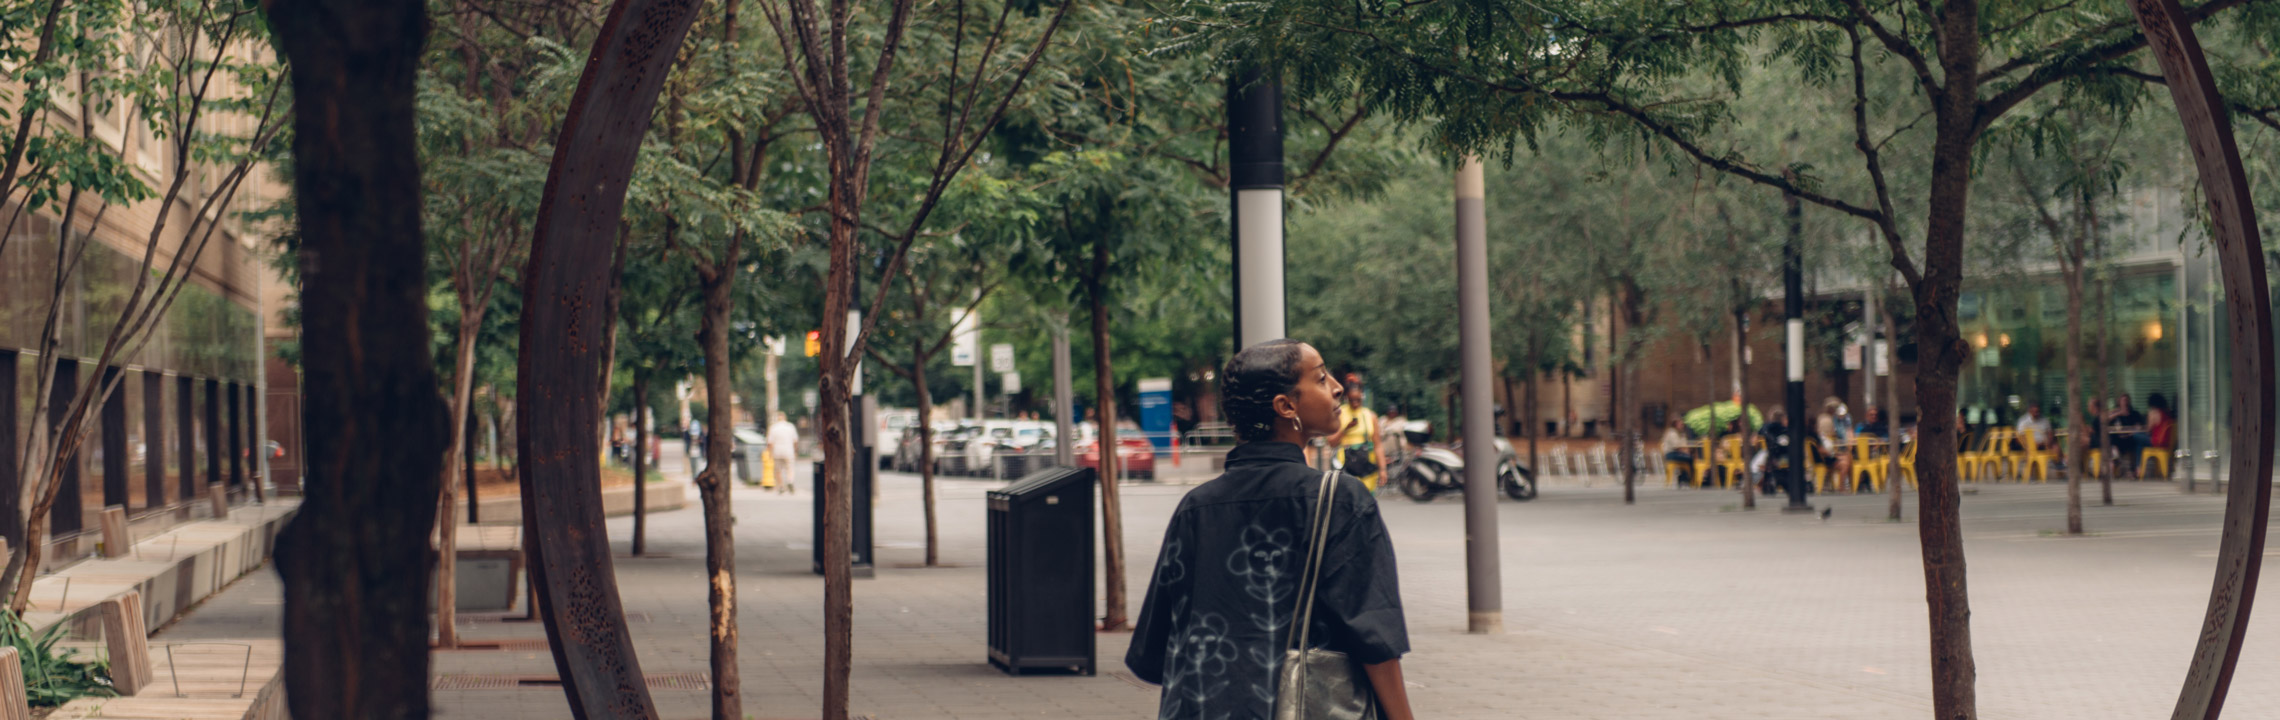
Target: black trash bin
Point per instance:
(1041, 573)
(861, 480)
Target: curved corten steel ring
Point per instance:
(562, 327)
(2248, 308)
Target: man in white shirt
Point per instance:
(2033, 422)
(783, 441)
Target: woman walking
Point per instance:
(1224, 601)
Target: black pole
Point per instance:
(1793, 309)
(1255, 177)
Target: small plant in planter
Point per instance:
(52, 675)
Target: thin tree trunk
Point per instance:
(1941, 353)
(1529, 426)
(925, 445)
(640, 462)
(2082, 422)
(714, 485)
(455, 455)
(1624, 366)
(1104, 387)
(1891, 415)
(355, 559)
(1742, 398)
(2105, 362)
(467, 462)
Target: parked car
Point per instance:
(1134, 454)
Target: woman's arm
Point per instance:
(1392, 694)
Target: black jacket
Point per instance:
(1218, 612)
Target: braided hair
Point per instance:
(1249, 383)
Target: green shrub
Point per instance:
(53, 676)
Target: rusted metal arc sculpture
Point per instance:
(562, 326)
(2248, 504)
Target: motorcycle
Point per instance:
(1436, 469)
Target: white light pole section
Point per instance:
(1259, 221)
(1796, 351)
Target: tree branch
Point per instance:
(2059, 67)
(1899, 46)
(1873, 158)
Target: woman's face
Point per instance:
(1315, 399)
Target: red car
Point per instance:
(1134, 454)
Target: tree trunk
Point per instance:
(2072, 267)
(454, 457)
(467, 468)
(1104, 387)
(1531, 429)
(356, 560)
(1622, 364)
(1891, 415)
(1940, 356)
(714, 485)
(640, 462)
(925, 446)
(2105, 368)
(1742, 398)
(837, 484)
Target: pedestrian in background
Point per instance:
(783, 444)
(1221, 608)
(1357, 445)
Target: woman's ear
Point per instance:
(1285, 402)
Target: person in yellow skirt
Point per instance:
(1360, 432)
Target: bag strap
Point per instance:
(1311, 577)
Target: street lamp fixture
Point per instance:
(2153, 330)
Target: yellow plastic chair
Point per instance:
(1732, 461)
(1908, 464)
(1869, 461)
(2034, 462)
(1979, 461)
(2007, 463)
(1672, 469)
(2151, 455)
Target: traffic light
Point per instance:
(814, 343)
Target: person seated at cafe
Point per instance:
(2126, 431)
(1676, 448)
(2033, 423)
(1833, 446)
(2160, 425)
(1875, 425)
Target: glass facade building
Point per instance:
(182, 415)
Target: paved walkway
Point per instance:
(1679, 607)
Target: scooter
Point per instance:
(1438, 469)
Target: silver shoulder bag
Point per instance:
(1316, 684)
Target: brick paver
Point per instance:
(1679, 607)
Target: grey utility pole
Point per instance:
(1793, 308)
(1484, 588)
(1064, 399)
(1255, 177)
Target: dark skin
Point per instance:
(1310, 410)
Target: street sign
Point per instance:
(963, 347)
(1012, 383)
(1852, 357)
(1990, 357)
(1001, 358)
(1883, 352)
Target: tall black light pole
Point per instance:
(1255, 184)
(1793, 308)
